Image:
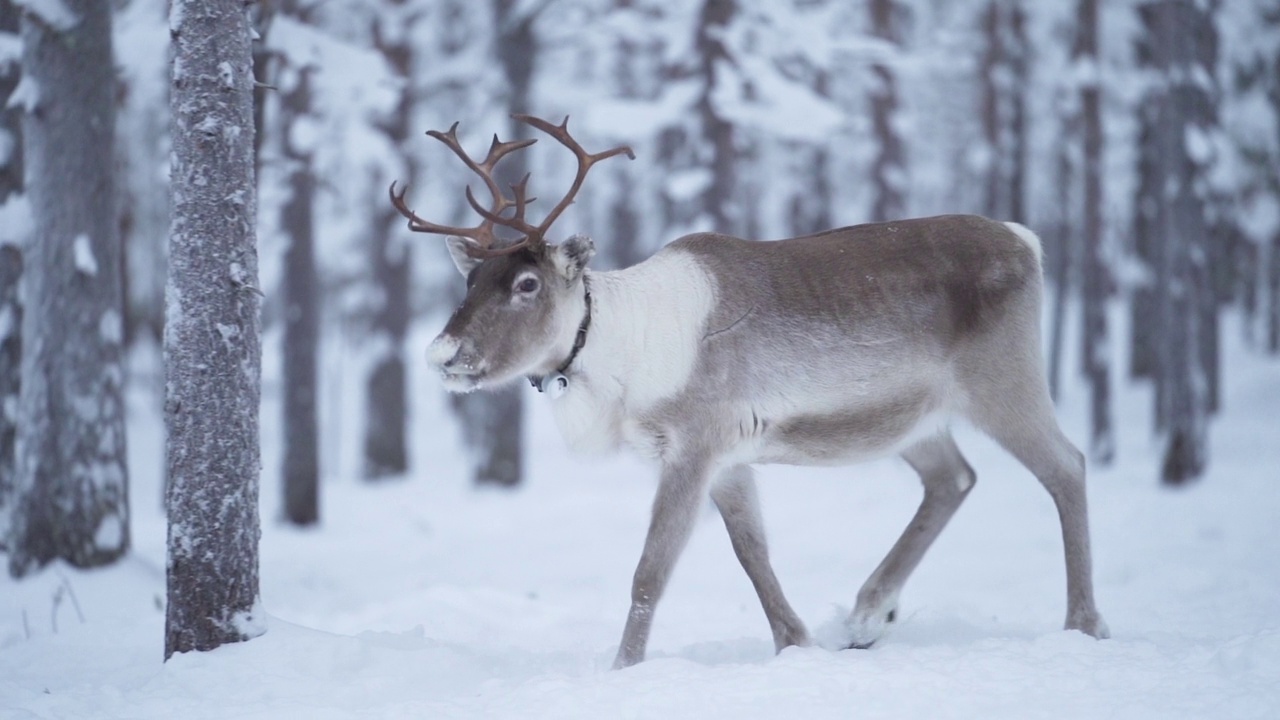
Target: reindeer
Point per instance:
(718, 353)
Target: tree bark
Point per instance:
(71, 487)
(212, 334)
(301, 307)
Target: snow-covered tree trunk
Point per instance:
(1095, 280)
(1180, 32)
(386, 410)
(301, 470)
(212, 329)
(12, 238)
(71, 486)
(889, 169)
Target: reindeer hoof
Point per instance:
(1090, 624)
(866, 628)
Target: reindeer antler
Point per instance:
(481, 236)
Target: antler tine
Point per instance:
(481, 236)
(521, 201)
(497, 150)
(417, 224)
(585, 160)
(515, 222)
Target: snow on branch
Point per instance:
(53, 13)
(26, 95)
(10, 52)
(776, 105)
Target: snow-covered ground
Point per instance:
(423, 598)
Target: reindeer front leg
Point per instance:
(680, 492)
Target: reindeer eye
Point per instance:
(527, 285)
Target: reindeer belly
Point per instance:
(853, 435)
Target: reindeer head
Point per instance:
(526, 300)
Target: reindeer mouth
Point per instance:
(462, 380)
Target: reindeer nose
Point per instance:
(443, 351)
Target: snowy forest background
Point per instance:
(1140, 139)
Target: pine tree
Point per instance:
(212, 333)
(71, 487)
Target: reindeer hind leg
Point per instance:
(947, 479)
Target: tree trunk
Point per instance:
(1271, 274)
(1273, 297)
(493, 422)
(889, 169)
(1096, 282)
(633, 79)
(717, 132)
(1004, 77)
(809, 209)
(212, 334)
(1179, 33)
(624, 222)
(1061, 254)
(10, 117)
(385, 449)
(71, 489)
(11, 243)
(261, 15)
(143, 142)
(301, 307)
(1150, 296)
(10, 381)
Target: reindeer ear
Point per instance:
(458, 251)
(571, 256)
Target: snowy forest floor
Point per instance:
(422, 597)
